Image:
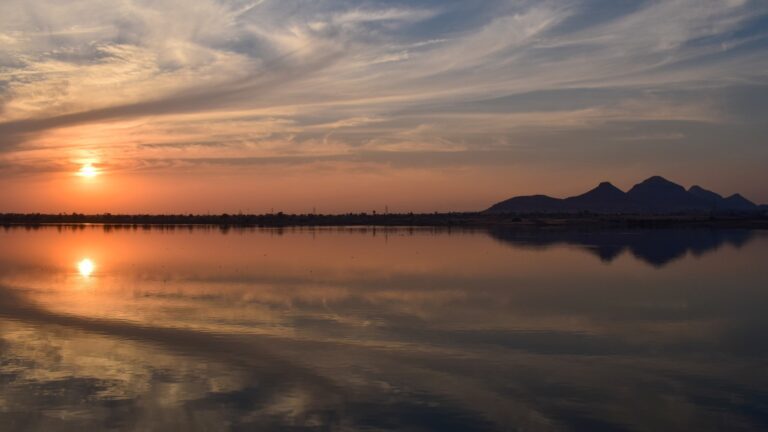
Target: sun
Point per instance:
(88, 170)
(85, 267)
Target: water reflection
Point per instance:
(404, 330)
(85, 267)
(654, 246)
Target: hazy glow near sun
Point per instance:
(88, 170)
(85, 267)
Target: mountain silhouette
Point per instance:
(605, 198)
(706, 195)
(659, 195)
(738, 202)
(656, 195)
(716, 201)
(532, 203)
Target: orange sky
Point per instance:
(234, 105)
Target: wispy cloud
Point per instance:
(234, 78)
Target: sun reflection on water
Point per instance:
(85, 267)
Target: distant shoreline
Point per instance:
(458, 220)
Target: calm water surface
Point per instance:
(362, 329)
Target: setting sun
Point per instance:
(85, 267)
(88, 170)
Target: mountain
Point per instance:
(738, 202)
(656, 195)
(529, 204)
(707, 195)
(659, 195)
(735, 202)
(605, 198)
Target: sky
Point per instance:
(176, 106)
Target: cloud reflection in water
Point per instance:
(341, 329)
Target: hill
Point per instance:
(655, 195)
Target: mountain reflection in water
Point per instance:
(654, 246)
(386, 329)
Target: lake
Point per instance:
(206, 329)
